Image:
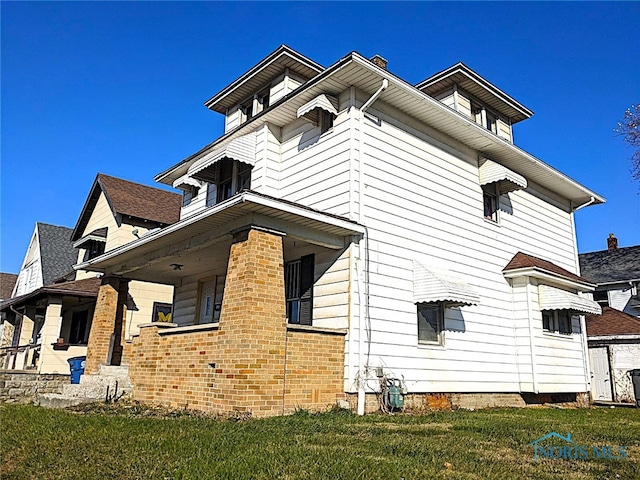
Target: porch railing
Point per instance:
(22, 357)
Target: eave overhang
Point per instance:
(246, 208)
(549, 277)
(358, 71)
(265, 71)
(99, 235)
(41, 292)
(477, 86)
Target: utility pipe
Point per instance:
(363, 263)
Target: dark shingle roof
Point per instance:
(7, 282)
(157, 207)
(87, 287)
(612, 322)
(522, 260)
(56, 251)
(608, 266)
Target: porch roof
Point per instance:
(87, 287)
(218, 223)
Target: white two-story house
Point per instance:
(350, 231)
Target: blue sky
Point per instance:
(118, 88)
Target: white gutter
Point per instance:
(586, 204)
(488, 135)
(363, 264)
(246, 197)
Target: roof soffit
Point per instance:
(477, 86)
(358, 71)
(261, 74)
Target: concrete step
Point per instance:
(57, 400)
(110, 383)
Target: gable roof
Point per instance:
(156, 207)
(480, 88)
(57, 255)
(612, 322)
(610, 266)
(87, 287)
(7, 282)
(524, 261)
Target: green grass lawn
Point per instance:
(130, 443)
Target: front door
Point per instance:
(600, 375)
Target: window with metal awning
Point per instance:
(507, 180)
(242, 149)
(320, 111)
(431, 285)
(553, 298)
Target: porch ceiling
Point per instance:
(198, 242)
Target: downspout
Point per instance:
(363, 254)
(534, 374)
(584, 347)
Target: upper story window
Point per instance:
(93, 249)
(484, 117)
(231, 177)
(490, 202)
(325, 121)
(189, 192)
(263, 100)
(247, 110)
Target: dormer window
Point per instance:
(263, 100)
(247, 110)
(93, 244)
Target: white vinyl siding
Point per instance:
(423, 202)
(140, 304)
(314, 169)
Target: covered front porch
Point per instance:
(49, 326)
(260, 312)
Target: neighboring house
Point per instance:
(50, 255)
(616, 271)
(349, 229)
(614, 337)
(54, 321)
(614, 349)
(7, 284)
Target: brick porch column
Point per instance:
(252, 333)
(107, 324)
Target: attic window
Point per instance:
(321, 111)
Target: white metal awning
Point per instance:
(433, 285)
(242, 149)
(508, 180)
(186, 181)
(323, 101)
(99, 235)
(552, 298)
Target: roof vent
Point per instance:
(612, 242)
(379, 61)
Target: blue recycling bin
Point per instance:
(76, 365)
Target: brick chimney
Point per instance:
(379, 61)
(612, 242)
